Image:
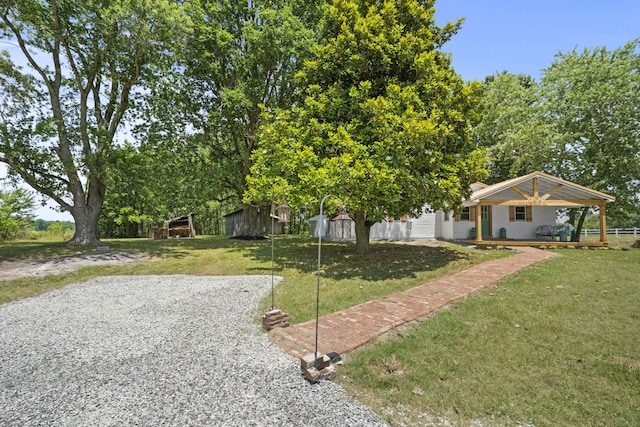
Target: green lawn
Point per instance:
(346, 279)
(557, 344)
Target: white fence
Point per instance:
(635, 232)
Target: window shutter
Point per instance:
(512, 213)
(472, 213)
(529, 213)
(457, 217)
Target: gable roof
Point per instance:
(538, 189)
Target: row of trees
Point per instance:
(17, 220)
(127, 113)
(580, 121)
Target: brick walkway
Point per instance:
(349, 329)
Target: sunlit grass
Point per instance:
(557, 344)
(346, 280)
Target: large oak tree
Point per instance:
(89, 62)
(241, 59)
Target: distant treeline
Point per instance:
(43, 225)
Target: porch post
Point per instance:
(478, 223)
(603, 222)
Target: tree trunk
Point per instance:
(575, 236)
(86, 214)
(86, 220)
(363, 229)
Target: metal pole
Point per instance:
(320, 232)
(273, 304)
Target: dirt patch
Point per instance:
(632, 363)
(10, 270)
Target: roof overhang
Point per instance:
(538, 189)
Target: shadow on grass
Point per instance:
(384, 261)
(338, 261)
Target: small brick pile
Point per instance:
(316, 367)
(275, 318)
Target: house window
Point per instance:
(447, 216)
(465, 214)
(520, 213)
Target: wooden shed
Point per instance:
(181, 227)
(234, 222)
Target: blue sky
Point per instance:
(523, 36)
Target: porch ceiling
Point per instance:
(538, 189)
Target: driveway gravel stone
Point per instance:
(157, 350)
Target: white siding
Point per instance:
(462, 228)
(424, 227)
(522, 230)
(444, 225)
(519, 230)
(390, 230)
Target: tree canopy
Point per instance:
(579, 122)
(88, 64)
(385, 123)
(241, 58)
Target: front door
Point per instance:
(485, 212)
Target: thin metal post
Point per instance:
(320, 232)
(273, 303)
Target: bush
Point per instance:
(15, 214)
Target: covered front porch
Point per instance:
(531, 202)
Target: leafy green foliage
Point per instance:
(87, 65)
(241, 58)
(385, 121)
(579, 122)
(517, 141)
(151, 183)
(129, 201)
(590, 99)
(16, 208)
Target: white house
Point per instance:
(518, 209)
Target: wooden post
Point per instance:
(603, 222)
(478, 223)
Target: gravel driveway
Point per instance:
(156, 350)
